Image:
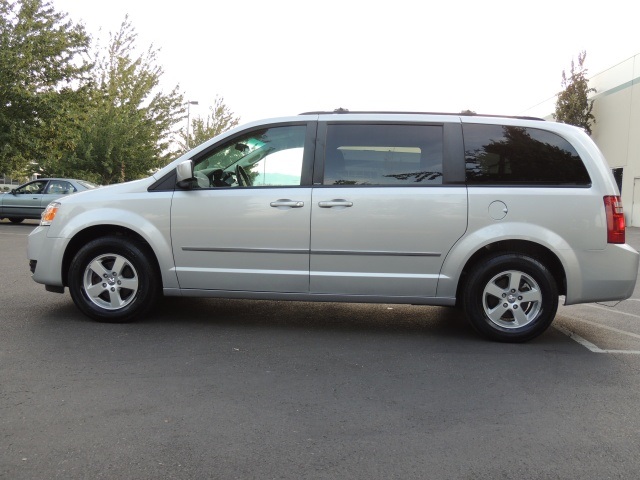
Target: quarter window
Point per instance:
(383, 155)
(508, 155)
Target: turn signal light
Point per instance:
(49, 213)
(615, 219)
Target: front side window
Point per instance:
(32, 188)
(361, 154)
(508, 155)
(270, 157)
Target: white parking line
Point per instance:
(612, 310)
(15, 234)
(594, 348)
(580, 340)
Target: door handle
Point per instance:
(338, 202)
(285, 202)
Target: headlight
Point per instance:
(49, 213)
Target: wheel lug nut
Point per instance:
(113, 289)
(119, 282)
(504, 295)
(114, 274)
(505, 305)
(513, 290)
(519, 298)
(104, 285)
(515, 307)
(105, 275)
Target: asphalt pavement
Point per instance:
(231, 389)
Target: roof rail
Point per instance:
(340, 111)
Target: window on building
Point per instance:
(617, 174)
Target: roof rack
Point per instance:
(461, 114)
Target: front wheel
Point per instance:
(112, 279)
(16, 220)
(511, 298)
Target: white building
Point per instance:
(617, 129)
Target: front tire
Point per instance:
(510, 298)
(112, 279)
(16, 220)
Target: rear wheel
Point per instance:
(112, 279)
(511, 298)
(16, 220)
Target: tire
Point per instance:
(16, 220)
(112, 279)
(510, 298)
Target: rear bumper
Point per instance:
(603, 275)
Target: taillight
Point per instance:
(615, 219)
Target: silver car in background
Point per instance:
(31, 199)
(497, 215)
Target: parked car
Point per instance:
(497, 215)
(30, 200)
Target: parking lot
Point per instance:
(207, 388)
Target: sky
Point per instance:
(274, 58)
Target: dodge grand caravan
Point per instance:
(497, 215)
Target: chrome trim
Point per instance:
(373, 253)
(245, 250)
(312, 252)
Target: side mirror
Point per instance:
(184, 174)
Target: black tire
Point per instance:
(16, 220)
(112, 279)
(510, 298)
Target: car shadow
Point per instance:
(311, 315)
(435, 323)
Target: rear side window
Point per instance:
(363, 154)
(60, 187)
(507, 155)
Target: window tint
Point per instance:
(383, 155)
(516, 156)
(265, 158)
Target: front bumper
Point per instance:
(45, 257)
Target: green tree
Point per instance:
(219, 120)
(573, 105)
(130, 121)
(43, 67)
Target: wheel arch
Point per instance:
(524, 247)
(91, 233)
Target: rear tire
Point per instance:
(16, 220)
(113, 279)
(510, 298)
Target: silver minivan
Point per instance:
(497, 215)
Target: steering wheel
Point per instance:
(242, 177)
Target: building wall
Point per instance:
(616, 108)
(617, 128)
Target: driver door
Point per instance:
(244, 224)
(25, 200)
